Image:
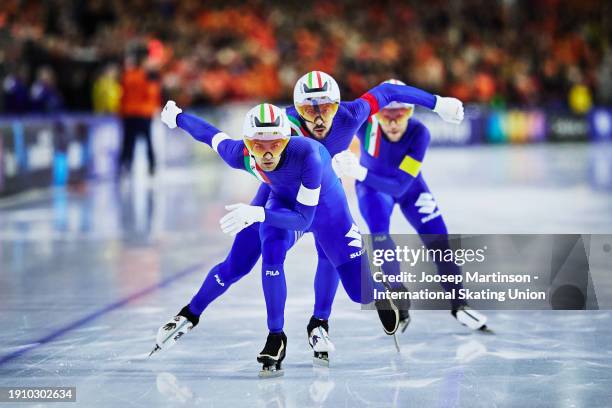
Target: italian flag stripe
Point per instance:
(295, 129)
(271, 113)
(373, 136)
(262, 112)
(378, 137)
(251, 166)
(247, 165)
(261, 173)
(366, 144)
(319, 79)
(310, 79)
(297, 126)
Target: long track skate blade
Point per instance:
(271, 373)
(396, 341)
(404, 324)
(157, 348)
(485, 330)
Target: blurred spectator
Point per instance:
(140, 100)
(44, 96)
(15, 92)
(506, 52)
(604, 79)
(107, 91)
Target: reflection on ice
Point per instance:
(66, 254)
(470, 351)
(169, 387)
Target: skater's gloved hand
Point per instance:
(336, 166)
(349, 165)
(169, 114)
(241, 216)
(449, 109)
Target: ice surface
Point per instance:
(81, 270)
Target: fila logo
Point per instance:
(355, 237)
(219, 280)
(426, 203)
(272, 273)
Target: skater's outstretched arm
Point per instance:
(449, 109)
(231, 151)
(397, 184)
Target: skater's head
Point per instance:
(316, 97)
(394, 117)
(266, 133)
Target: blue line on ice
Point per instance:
(100, 312)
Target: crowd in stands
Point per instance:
(69, 54)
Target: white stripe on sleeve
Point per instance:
(308, 196)
(218, 138)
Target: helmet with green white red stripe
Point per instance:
(316, 85)
(266, 122)
(396, 104)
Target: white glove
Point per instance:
(449, 109)
(169, 114)
(349, 165)
(336, 166)
(241, 216)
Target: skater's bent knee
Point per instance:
(354, 293)
(230, 272)
(274, 247)
(350, 275)
(274, 256)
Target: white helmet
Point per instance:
(266, 122)
(316, 85)
(396, 104)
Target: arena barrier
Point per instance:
(41, 151)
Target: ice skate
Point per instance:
(403, 306)
(174, 329)
(388, 314)
(404, 322)
(471, 318)
(273, 355)
(318, 338)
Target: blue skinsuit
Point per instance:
(246, 248)
(305, 195)
(394, 177)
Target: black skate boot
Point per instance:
(273, 355)
(174, 329)
(403, 306)
(318, 338)
(186, 313)
(388, 314)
